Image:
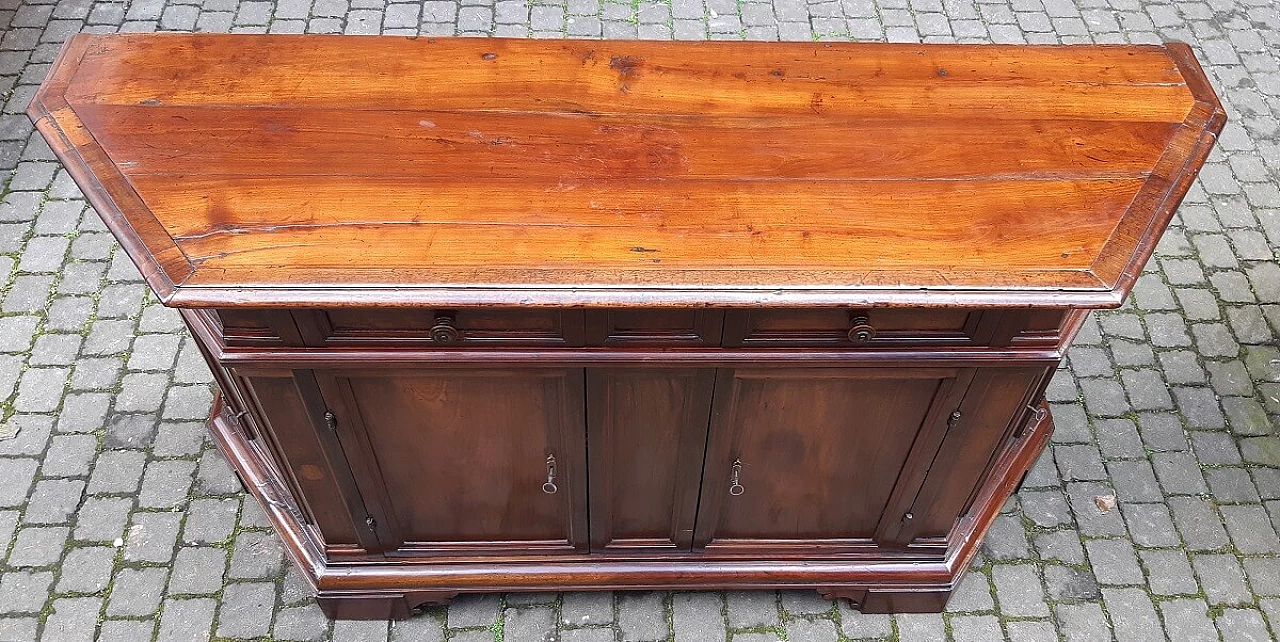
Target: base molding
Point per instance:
(386, 588)
(875, 600)
(377, 606)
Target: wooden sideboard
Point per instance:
(507, 315)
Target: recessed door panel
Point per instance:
(476, 459)
(811, 453)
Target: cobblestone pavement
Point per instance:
(118, 519)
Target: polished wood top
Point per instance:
(333, 170)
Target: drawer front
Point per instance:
(641, 327)
(1048, 327)
(250, 327)
(834, 327)
(442, 328)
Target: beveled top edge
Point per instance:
(194, 297)
(168, 278)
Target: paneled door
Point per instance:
(468, 460)
(283, 406)
(995, 409)
(816, 454)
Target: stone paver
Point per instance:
(120, 522)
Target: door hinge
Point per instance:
(373, 523)
(331, 420)
(953, 419)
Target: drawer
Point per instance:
(843, 327)
(250, 327)
(654, 327)
(640, 327)
(445, 328)
(1048, 327)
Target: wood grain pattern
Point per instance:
(513, 75)
(284, 170)
(309, 141)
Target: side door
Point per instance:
(995, 409)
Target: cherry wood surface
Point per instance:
(305, 170)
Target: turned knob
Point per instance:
(444, 331)
(861, 330)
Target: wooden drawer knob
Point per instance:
(444, 331)
(861, 331)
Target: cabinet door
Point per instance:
(469, 461)
(995, 406)
(311, 464)
(647, 435)
(815, 453)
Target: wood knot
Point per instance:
(628, 69)
(624, 64)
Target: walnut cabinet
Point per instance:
(641, 458)
(511, 315)
(611, 444)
